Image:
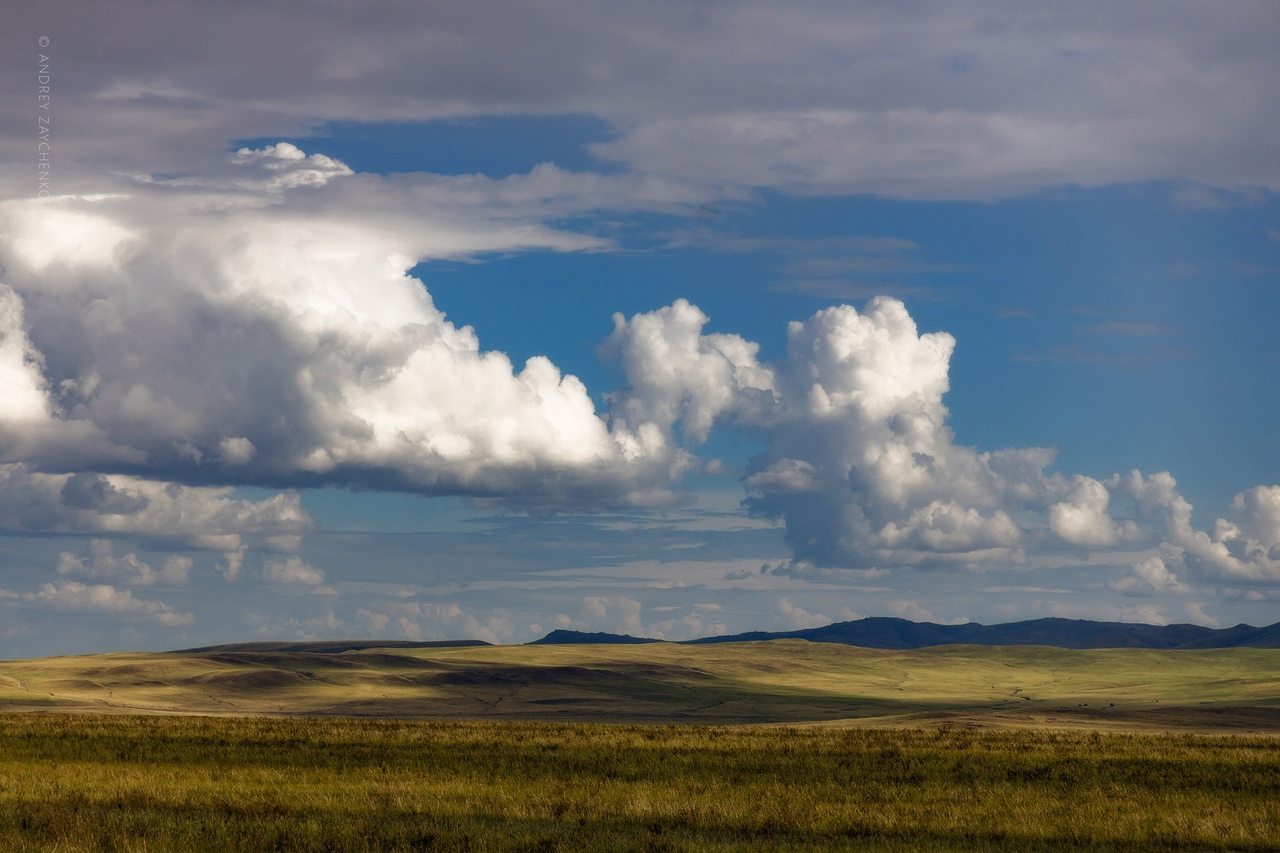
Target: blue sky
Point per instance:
(485, 321)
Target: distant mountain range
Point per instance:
(890, 633)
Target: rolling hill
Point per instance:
(779, 681)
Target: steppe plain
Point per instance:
(783, 745)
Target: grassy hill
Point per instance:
(781, 681)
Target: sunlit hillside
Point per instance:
(784, 681)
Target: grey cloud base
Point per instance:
(931, 100)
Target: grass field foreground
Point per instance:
(191, 783)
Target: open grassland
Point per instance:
(783, 681)
(84, 782)
(951, 748)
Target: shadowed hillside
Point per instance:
(784, 681)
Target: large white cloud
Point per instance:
(677, 374)
(860, 463)
(1243, 549)
(1083, 517)
(251, 328)
(864, 471)
(21, 382)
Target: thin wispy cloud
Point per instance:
(1132, 329)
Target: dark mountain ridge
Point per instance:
(880, 632)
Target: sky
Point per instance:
(479, 320)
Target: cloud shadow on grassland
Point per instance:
(787, 682)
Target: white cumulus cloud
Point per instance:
(86, 502)
(1151, 575)
(103, 564)
(1244, 548)
(863, 470)
(76, 597)
(260, 339)
(859, 464)
(291, 570)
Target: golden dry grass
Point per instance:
(953, 748)
(86, 782)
